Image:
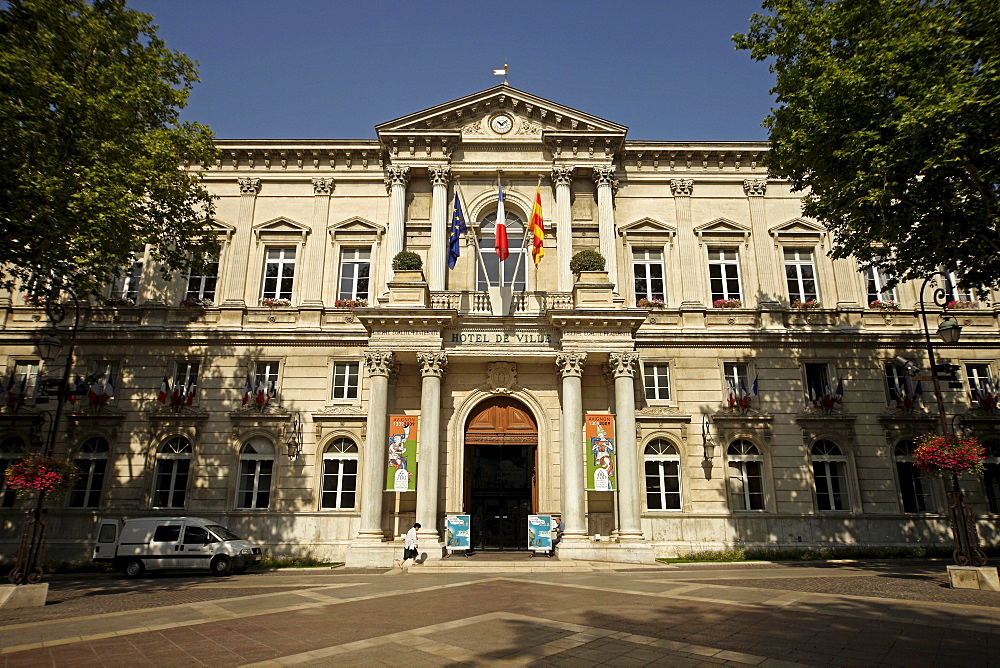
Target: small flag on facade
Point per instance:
(500, 240)
(164, 390)
(247, 390)
(458, 227)
(537, 229)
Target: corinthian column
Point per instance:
(570, 365)
(233, 289)
(316, 253)
(432, 367)
(623, 367)
(373, 458)
(604, 177)
(439, 225)
(562, 177)
(396, 178)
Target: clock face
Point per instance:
(501, 124)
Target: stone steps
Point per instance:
(536, 565)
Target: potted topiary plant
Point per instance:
(592, 288)
(407, 287)
(407, 261)
(587, 260)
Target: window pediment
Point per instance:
(798, 230)
(722, 230)
(355, 227)
(281, 228)
(648, 230)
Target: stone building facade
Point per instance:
(714, 281)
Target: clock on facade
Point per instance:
(501, 124)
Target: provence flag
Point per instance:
(458, 226)
(537, 228)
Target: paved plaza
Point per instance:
(851, 614)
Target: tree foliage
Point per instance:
(887, 120)
(91, 145)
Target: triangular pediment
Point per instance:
(280, 225)
(355, 225)
(530, 115)
(220, 227)
(798, 227)
(647, 226)
(722, 229)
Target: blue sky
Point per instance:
(310, 69)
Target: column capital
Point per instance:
(432, 363)
(249, 185)
(439, 175)
(322, 185)
(571, 364)
(604, 175)
(754, 187)
(562, 175)
(622, 364)
(379, 362)
(681, 187)
(396, 175)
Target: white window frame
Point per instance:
(281, 262)
(340, 372)
(826, 377)
(184, 372)
(729, 270)
(742, 460)
(926, 492)
(126, 285)
(174, 450)
(343, 450)
(834, 473)
(896, 372)
(516, 229)
(198, 284)
(353, 260)
(799, 263)
(660, 451)
(653, 371)
(26, 371)
(250, 469)
(977, 380)
(736, 372)
(644, 260)
(91, 451)
(875, 282)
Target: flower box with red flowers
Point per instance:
(727, 303)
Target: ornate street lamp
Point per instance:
(963, 523)
(27, 568)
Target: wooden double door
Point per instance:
(501, 482)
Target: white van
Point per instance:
(142, 544)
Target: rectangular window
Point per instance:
(345, 380)
(746, 479)
(86, 492)
(171, 483)
(663, 485)
(340, 483)
(817, 380)
(186, 374)
(648, 274)
(255, 483)
(355, 265)
(912, 487)
(737, 377)
(266, 372)
(126, 286)
(724, 274)
(24, 380)
(800, 275)
(954, 290)
(657, 381)
(991, 481)
(201, 283)
(279, 273)
(876, 280)
(897, 382)
(980, 381)
(830, 485)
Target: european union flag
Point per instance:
(458, 226)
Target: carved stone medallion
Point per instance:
(501, 377)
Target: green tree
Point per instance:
(887, 120)
(91, 145)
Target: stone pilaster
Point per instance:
(432, 366)
(396, 179)
(312, 294)
(379, 365)
(233, 289)
(692, 282)
(562, 178)
(770, 287)
(570, 366)
(604, 178)
(622, 365)
(437, 261)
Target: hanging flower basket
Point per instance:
(38, 473)
(949, 455)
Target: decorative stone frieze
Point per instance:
(249, 186)
(623, 364)
(571, 364)
(681, 187)
(432, 363)
(754, 187)
(501, 377)
(322, 185)
(378, 362)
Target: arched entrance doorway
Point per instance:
(501, 443)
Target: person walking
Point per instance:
(410, 550)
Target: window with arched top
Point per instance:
(173, 468)
(256, 471)
(991, 478)
(663, 475)
(913, 485)
(340, 475)
(515, 244)
(829, 476)
(746, 475)
(92, 460)
(12, 450)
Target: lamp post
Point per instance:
(963, 523)
(27, 568)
